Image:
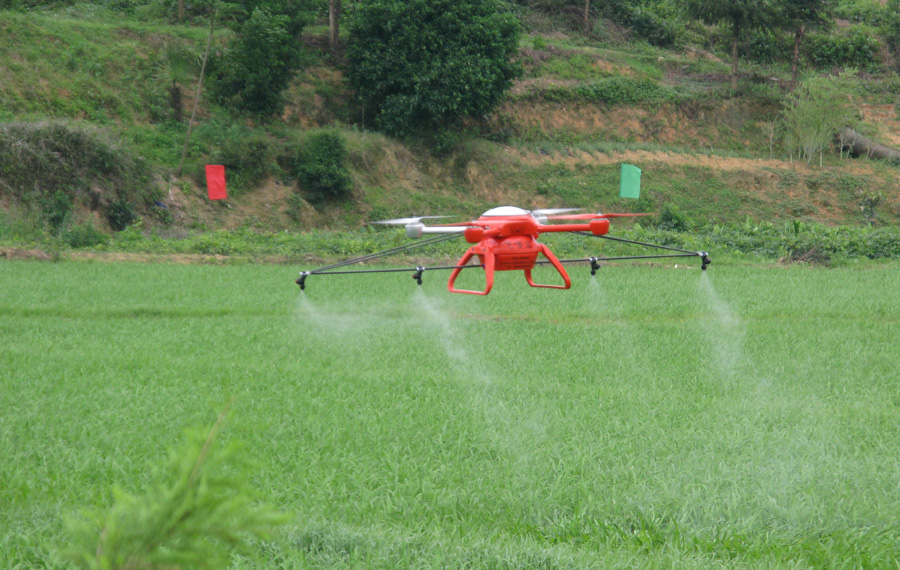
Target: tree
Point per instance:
(175, 66)
(798, 16)
(424, 65)
(334, 16)
(816, 113)
(297, 13)
(258, 64)
(739, 14)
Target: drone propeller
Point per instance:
(552, 211)
(596, 216)
(407, 221)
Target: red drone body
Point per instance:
(504, 239)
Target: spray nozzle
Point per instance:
(704, 257)
(301, 281)
(595, 265)
(418, 274)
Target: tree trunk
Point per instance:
(334, 17)
(587, 12)
(735, 32)
(795, 58)
(187, 137)
(862, 146)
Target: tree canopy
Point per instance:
(739, 14)
(424, 65)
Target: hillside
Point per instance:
(585, 105)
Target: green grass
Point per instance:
(652, 418)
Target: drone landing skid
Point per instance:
(521, 257)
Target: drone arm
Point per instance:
(416, 231)
(597, 226)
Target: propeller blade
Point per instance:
(455, 224)
(552, 211)
(575, 217)
(596, 216)
(406, 221)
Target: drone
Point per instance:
(503, 239)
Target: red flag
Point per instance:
(215, 182)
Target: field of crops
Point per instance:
(651, 417)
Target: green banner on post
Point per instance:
(630, 185)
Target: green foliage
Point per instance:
(199, 511)
(421, 66)
(175, 66)
(625, 90)
(257, 65)
(739, 14)
(673, 219)
(38, 161)
(891, 26)
(862, 11)
(855, 46)
(247, 156)
(120, 214)
(618, 90)
(321, 167)
(766, 46)
(85, 235)
(815, 113)
(651, 26)
(56, 207)
(294, 14)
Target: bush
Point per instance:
(322, 167)
(650, 27)
(246, 155)
(85, 235)
(120, 214)
(421, 66)
(814, 113)
(55, 208)
(672, 219)
(856, 46)
(38, 161)
(623, 91)
(766, 46)
(257, 65)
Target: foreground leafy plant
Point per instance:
(201, 509)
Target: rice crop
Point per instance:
(650, 417)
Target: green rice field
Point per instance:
(651, 417)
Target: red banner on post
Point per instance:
(215, 182)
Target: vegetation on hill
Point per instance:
(600, 84)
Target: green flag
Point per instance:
(630, 185)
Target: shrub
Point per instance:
(246, 155)
(55, 208)
(856, 46)
(120, 214)
(421, 66)
(322, 167)
(257, 65)
(38, 160)
(765, 46)
(671, 218)
(814, 113)
(85, 235)
(651, 27)
(624, 90)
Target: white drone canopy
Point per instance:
(501, 211)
